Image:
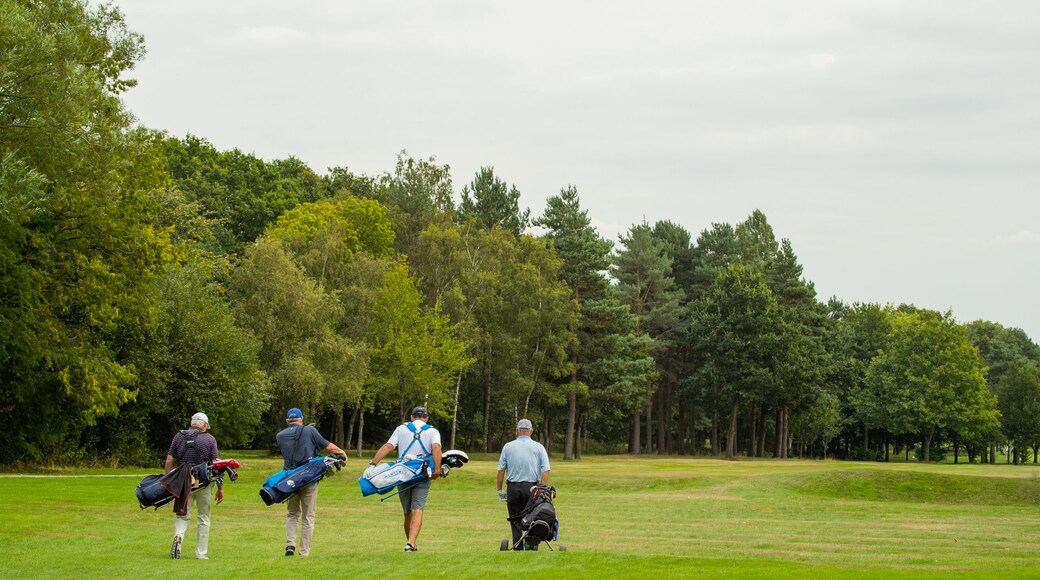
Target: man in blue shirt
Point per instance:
(523, 463)
(299, 443)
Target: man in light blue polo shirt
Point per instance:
(524, 464)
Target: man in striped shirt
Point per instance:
(190, 448)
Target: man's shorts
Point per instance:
(414, 498)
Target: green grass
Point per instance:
(621, 517)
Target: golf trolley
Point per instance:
(537, 522)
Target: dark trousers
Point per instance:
(518, 493)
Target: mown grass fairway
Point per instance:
(621, 517)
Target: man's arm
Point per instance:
(334, 449)
(501, 478)
(382, 452)
(543, 461)
(169, 463)
(436, 460)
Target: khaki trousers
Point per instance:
(203, 500)
(303, 503)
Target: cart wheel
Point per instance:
(504, 547)
(563, 548)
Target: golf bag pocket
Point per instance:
(389, 475)
(151, 493)
(540, 523)
(283, 484)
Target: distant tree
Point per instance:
(1019, 395)
(806, 362)
(418, 193)
(342, 182)
(821, 422)
(293, 316)
(490, 202)
(583, 256)
(617, 367)
(240, 191)
(201, 360)
(79, 258)
(644, 274)
(415, 355)
(738, 327)
(1000, 348)
(505, 294)
(932, 375)
(863, 333)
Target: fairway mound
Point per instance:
(917, 487)
(641, 482)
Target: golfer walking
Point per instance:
(524, 464)
(299, 443)
(189, 448)
(413, 440)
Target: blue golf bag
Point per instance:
(151, 493)
(387, 476)
(161, 489)
(390, 475)
(283, 484)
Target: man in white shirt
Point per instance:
(414, 440)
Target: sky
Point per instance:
(895, 144)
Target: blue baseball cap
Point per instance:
(420, 412)
(294, 413)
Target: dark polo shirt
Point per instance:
(205, 447)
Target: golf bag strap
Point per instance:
(416, 433)
(296, 443)
(189, 442)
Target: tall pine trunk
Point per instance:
(716, 447)
(579, 439)
(487, 412)
(778, 448)
(633, 440)
(682, 427)
(550, 432)
(649, 423)
(731, 439)
(350, 428)
(337, 428)
(572, 409)
(662, 420)
(762, 432)
(360, 430)
(753, 439)
(572, 416)
(787, 430)
(455, 410)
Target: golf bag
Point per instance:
(390, 475)
(387, 476)
(160, 489)
(538, 518)
(283, 484)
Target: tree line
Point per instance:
(144, 277)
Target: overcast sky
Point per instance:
(896, 144)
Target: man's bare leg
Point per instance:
(414, 523)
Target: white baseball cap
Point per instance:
(199, 418)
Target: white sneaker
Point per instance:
(175, 550)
